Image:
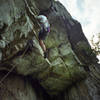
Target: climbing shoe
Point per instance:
(45, 54)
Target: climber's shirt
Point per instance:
(45, 27)
(43, 21)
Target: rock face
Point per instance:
(69, 53)
(16, 88)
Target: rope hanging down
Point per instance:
(7, 74)
(22, 54)
(25, 49)
(29, 8)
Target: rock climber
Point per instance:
(45, 29)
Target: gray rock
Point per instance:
(15, 87)
(68, 50)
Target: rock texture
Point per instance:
(73, 73)
(16, 88)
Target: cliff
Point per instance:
(73, 73)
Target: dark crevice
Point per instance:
(40, 91)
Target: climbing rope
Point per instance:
(27, 5)
(26, 47)
(12, 68)
(7, 74)
(15, 53)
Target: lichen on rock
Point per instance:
(68, 49)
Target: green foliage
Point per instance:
(96, 45)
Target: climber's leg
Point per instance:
(42, 35)
(43, 48)
(42, 45)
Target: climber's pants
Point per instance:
(43, 33)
